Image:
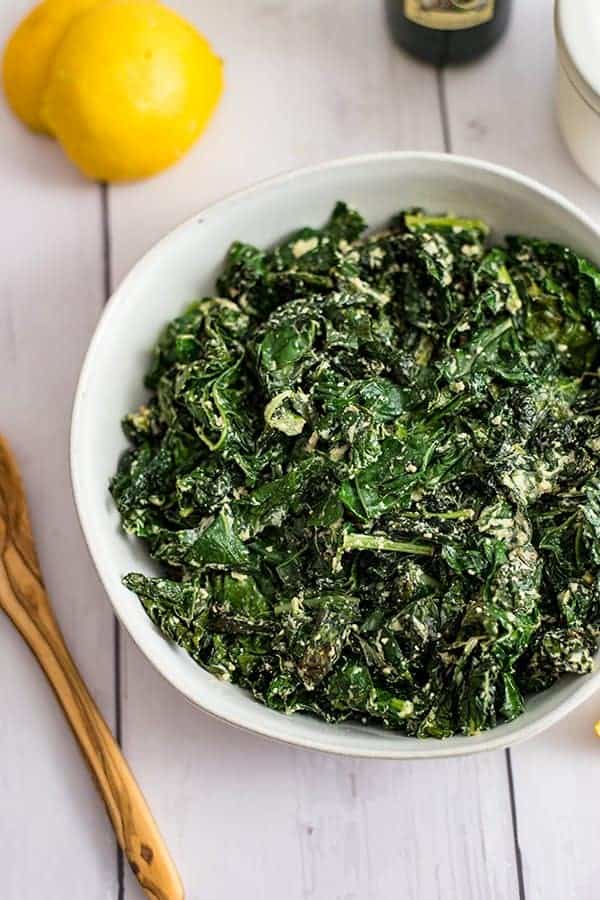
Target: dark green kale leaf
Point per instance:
(370, 472)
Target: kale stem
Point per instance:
(451, 514)
(380, 542)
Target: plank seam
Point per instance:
(443, 104)
(515, 825)
(107, 287)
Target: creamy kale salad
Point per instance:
(370, 470)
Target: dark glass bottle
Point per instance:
(447, 31)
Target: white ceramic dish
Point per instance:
(182, 267)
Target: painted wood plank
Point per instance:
(54, 841)
(503, 111)
(557, 778)
(276, 853)
(248, 817)
(306, 82)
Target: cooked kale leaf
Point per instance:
(370, 470)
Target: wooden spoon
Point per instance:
(24, 599)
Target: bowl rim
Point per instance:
(430, 749)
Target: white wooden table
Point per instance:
(306, 81)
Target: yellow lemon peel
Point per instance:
(28, 54)
(130, 88)
(126, 87)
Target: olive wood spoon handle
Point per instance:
(24, 599)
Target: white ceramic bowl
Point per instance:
(183, 266)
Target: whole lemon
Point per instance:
(29, 51)
(130, 88)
